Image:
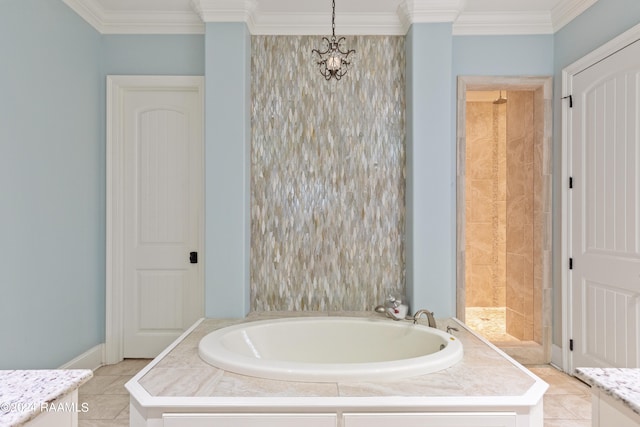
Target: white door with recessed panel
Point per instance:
(604, 283)
(159, 131)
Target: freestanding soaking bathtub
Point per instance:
(330, 349)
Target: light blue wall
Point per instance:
(51, 186)
(503, 55)
(602, 22)
(599, 24)
(227, 169)
(430, 220)
(178, 55)
(52, 172)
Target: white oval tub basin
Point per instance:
(330, 349)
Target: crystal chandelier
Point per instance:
(333, 61)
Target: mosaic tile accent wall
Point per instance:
(327, 176)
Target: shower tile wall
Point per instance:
(485, 205)
(542, 222)
(521, 138)
(327, 176)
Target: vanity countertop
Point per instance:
(26, 393)
(621, 384)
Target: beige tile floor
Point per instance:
(106, 396)
(567, 403)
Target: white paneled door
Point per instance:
(604, 283)
(161, 130)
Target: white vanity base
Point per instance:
(471, 419)
(310, 416)
(63, 418)
(607, 411)
(485, 389)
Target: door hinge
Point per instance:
(571, 345)
(570, 182)
(570, 263)
(570, 100)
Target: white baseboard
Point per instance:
(90, 359)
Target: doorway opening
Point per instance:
(504, 213)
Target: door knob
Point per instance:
(193, 257)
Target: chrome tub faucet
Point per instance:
(430, 318)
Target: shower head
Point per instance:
(500, 100)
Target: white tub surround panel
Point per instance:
(615, 395)
(27, 395)
(485, 383)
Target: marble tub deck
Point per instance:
(484, 375)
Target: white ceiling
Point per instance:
(384, 17)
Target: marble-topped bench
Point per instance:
(615, 395)
(41, 397)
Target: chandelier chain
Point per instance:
(333, 18)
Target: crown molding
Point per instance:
(347, 24)
(258, 21)
(136, 21)
(424, 11)
(142, 22)
(225, 10)
(511, 23)
(568, 10)
(89, 10)
(270, 23)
